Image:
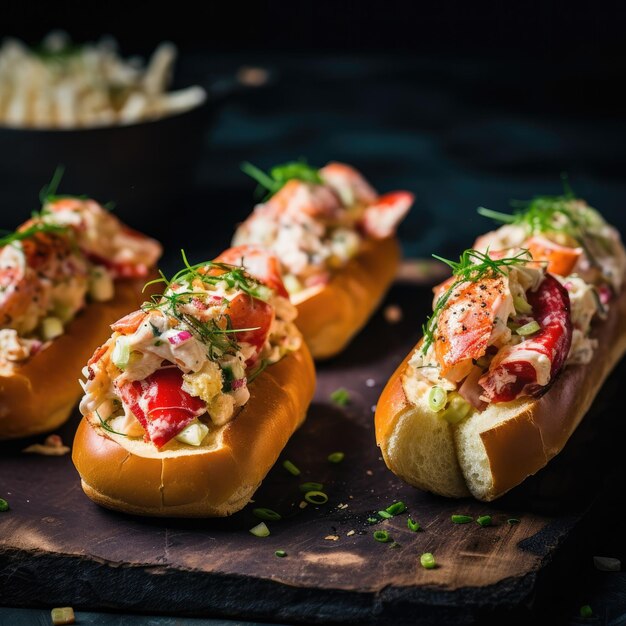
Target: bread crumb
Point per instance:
(331, 537)
(393, 313)
(373, 407)
(369, 472)
(607, 564)
(52, 446)
(350, 533)
(370, 382)
(342, 506)
(303, 504)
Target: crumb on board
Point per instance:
(303, 504)
(62, 615)
(52, 446)
(370, 382)
(350, 533)
(373, 407)
(342, 506)
(393, 313)
(369, 472)
(331, 537)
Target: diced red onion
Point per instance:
(236, 384)
(181, 337)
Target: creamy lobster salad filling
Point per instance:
(68, 254)
(316, 220)
(519, 308)
(183, 363)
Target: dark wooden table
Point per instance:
(58, 548)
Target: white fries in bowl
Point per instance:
(63, 86)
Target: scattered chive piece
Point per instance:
(267, 514)
(341, 396)
(413, 525)
(461, 519)
(437, 398)
(528, 329)
(484, 520)
(396, 508)
(428, 560)
(513, 521)
(260, 530)
(382, 536)
(586, 611)
(316, 497)
(304, 487)
(291, 468)
(4, 505)
(336, 457)
(372, 520)
(385, 515)
(280, 553)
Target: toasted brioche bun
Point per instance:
(331, 314)
(213, 480)
(491, 452)
(38, 396)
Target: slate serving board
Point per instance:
(58, 548)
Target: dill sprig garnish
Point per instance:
(279, 175)
(472, 266)
(105, 424)
(548, 214)
(31, 231)
(48, 193)
(218, 339)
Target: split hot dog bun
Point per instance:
(190, 402)
(500, 382)
(216, 479)
(39, 396)
(491, 452)
(330, 315)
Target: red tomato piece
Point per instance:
(161, 405)
(247, 312)
(128, 324)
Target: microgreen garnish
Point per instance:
(31, 231)
(48, 193)
(548, 214)
(216, 334)
(279, 175)
(472, 266)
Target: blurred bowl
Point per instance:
(144, 168)
(136, 166)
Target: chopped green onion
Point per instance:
(291, 468)
(586, 611)
(457, 409)
(528, 329)
(316, 497)
(267, 514)
(522, 305)
(396, 508)
(4, 505)
(413, 525)
(121, 352)
(304, 487)
(336, 457)
(341, 396)
(437, 398)
(484, 520)
(280, 553)
(382, 536)
(260, 530)
(428, 560)
(461, 519)
(372, 520)
(385, 515)
(513, 521)
(51, 328)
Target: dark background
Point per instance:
(465, 104)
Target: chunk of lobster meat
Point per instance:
(296, 198)
(529, 367)
(255, 317)
(381, 218)
(259, 263)
(561, 260)
(128, 324)
(348, 184)
(160, 404)
(473, 318)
